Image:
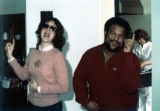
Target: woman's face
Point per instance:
(48, 32)
(141, 41)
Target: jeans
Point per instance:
(131, 109)
(55, 107)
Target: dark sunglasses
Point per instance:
(50, 27)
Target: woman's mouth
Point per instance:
(46, 34)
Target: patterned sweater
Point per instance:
(48, 68)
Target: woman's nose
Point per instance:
(48, 28)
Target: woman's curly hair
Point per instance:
(59, 40)
(140, 33)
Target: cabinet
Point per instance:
(13, 26)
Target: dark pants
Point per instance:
(131, 109)
(55, 107)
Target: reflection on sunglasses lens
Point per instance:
(50, 27)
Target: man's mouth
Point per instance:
(46, 34)
(114, 43)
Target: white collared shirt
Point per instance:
(144, 52)
(46, 48)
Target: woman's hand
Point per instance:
(9, 49)
(32, 86)
(128, 47)
(147, 62)
(142, 64)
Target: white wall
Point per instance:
(156, 55)
(106, 10)
(82, 20)
(12, 6)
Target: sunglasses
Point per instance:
(50, 27)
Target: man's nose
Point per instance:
(116, 37)
(48, 28)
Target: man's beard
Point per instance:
(117, 49)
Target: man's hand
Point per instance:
(93, 106)
(128, 47)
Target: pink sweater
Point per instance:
(49, 70)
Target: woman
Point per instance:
(45, 67)
(144, 52)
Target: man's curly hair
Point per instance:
(118, 21)
(59, 40)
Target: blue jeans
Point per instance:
(55, 107)
(131, 109)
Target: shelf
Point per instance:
(13, 24)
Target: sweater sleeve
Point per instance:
(80, 82)
(62, 83)
(130, 70)
(20, 71)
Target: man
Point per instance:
(107, 77)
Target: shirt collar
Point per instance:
(46, 48)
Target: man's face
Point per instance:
(114, 38)
(141, 41)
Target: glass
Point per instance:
(50, 27)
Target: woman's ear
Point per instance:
(139, 41)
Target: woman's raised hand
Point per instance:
(9, 49)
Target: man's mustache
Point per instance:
(115, 41)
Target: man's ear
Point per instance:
(105, 33)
